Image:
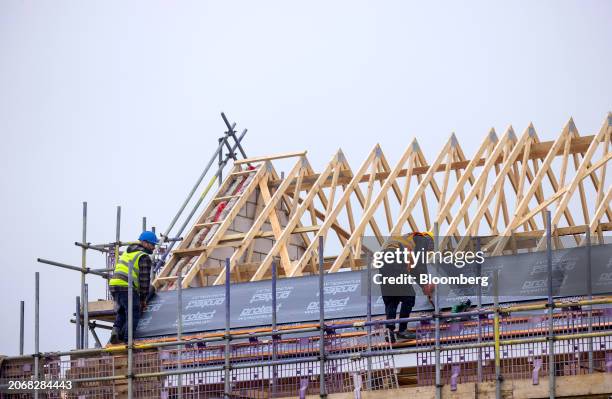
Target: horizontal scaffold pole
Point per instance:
(97, 272)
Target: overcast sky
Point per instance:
(117, 103)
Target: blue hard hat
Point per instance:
(149, 237)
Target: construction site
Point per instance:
(265, 289)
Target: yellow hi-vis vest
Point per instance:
(122, 267)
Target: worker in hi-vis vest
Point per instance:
(138, 255)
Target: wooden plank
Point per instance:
(538, 151)
(267, 234)
(296, 193)
(242, 172)
(271, 157)
(189, 251)
(332, 194)
(249, 268)
(575, 386)
(200, 225)
(449, 158)
(599, 213)
(276, 226)
(226, 198)
(101, 305)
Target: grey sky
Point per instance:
(118, 103)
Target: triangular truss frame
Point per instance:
(501, 194)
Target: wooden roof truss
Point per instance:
(501, 193)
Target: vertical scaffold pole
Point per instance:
(130, 370)
(227, 387)
(84, 332)
(590, 297)
(179, 327)
(86, 317)
(274, 336)
(144, 223)
(36, 329)
(273, 296)
(117, 233)
(322, 388)
(496, 336)
(551, 331)
(77, 315)
(479, 307)
(118, 226)
(369, 319)
(437, 320)
(21, 325)
(220, 162)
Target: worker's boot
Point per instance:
(114, 338)
(390, 338)
(406, 335)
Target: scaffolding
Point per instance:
(572, 337)
(508, 342)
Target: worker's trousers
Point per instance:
(121, 308)
(391, 304)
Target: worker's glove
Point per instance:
(429, 291)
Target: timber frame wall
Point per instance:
(501, 193)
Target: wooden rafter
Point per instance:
(291, 224)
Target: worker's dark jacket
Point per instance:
(417, 243)
(144, 273)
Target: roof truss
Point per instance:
(501, 193)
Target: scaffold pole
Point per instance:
(21, 325)
(322, 390)
(130, 345)
(227, 391)
(36, 329)
(437, 319)
(551, 305)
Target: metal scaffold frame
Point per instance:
(327, 332)
(112, 249)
